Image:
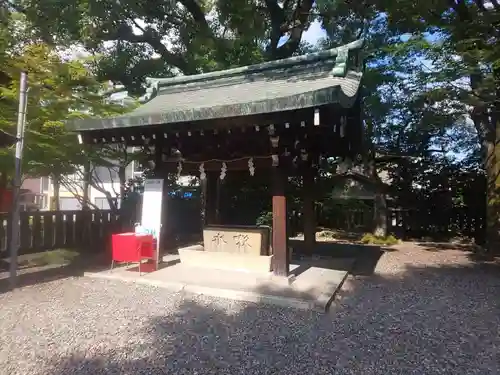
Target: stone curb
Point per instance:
(238, 295)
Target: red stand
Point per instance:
(132, 248)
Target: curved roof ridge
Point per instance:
(155, 84)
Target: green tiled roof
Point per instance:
(311, 80)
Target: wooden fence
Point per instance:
(443, 225)
(413, 223)
(91, 230)
(46, 230)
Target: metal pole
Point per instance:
(15, 225)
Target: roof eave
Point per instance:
(332, 95)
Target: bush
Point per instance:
(57, 257)
(265, 218)
(328, 234)
(371, 239)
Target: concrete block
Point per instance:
(226, 261)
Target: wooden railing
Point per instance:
(45, 230)
(413, 223)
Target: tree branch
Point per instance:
(495, 4)
(281, 26)
(124, 32)
(198, 15)
(297, 24)
(460, 8)
(70, 186)
(480, 5)
(277, 16)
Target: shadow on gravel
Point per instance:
(28, 276)
(41, 276)
(367, 256)
(425, 320)
(474, 252)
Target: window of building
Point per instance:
(105, 174)
(45, 183)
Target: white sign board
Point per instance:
(151, 210)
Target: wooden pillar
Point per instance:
(211, 197)
(308, 211)
(218, 193)
(280, 240)
(166, 242)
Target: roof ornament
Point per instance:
(340, 68)
(152, 87)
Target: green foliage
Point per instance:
(59, 90)
(431, 82)
(265, 218)
(57, 257)
(129, 37)
(371, 239)
(326, 234)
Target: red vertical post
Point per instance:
(211, 198)
(219, 187)
(281, 260)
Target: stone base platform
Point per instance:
(309, 286)
(195, 256)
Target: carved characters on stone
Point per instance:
(241, 242)
(218, 240)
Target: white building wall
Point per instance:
(95, 195)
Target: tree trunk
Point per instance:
(493, 176)
(379, 203)
(3, 186)
(122, 178)
(488, 128)
(380, 215)
(86, 186)
(57, 187)
(119, 201)
(492, 165)
(113, 203)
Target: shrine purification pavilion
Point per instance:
(282, 116)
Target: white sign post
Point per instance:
(151, 211)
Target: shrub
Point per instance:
(326, 234)
(52, 257)
(371, 239)
(265, 218)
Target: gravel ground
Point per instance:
(420, 313)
